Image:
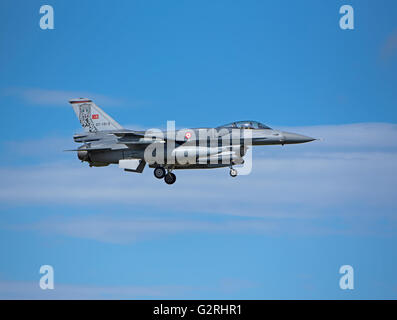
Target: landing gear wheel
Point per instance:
(159, 172)
(233, 172)
(170, 178)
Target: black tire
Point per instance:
(170, 178)
(159, 172)
(233, 173)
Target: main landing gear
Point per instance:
(170, 178)
(160, 173)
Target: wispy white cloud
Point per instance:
(355, 136)
(45, 97)
(348, 176)
(46, 149)
(31, 290)
(313, 181)
(127, 230)
(389, 47)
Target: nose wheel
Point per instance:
(233, 172)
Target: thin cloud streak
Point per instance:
(290, 188)
(354, 136)
(44, 97)
(127, 230)
(389, 47)
(31, 290)
(334, 179)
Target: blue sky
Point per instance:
(282, 231)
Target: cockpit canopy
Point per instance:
(246, 125)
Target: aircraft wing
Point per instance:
(100, 148)
(130, 137)
(142, 138)
(91, 149)
(140, 142)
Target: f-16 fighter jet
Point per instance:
(106, 142)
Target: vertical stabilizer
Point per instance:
(91, 117)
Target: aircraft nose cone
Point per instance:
(290, 138)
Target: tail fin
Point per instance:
(93, 118)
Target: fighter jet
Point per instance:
(105, 142)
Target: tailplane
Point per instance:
(91, 117)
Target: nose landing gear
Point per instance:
(233, 172)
